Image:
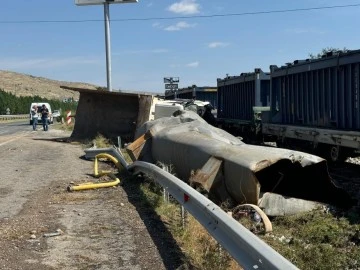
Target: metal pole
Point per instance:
(257, 89)
(183, 216)
(107, 44)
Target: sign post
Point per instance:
(68, 117)
(107, 29)
(171, 83)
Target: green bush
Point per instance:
(21, 105)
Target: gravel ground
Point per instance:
(100, 229)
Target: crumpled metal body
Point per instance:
(187, 142)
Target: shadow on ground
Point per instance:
(170, 252)
(60, 139)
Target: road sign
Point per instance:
(68, 117)
(171, 86)
(171, 79)
(101, 2)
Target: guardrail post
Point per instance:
(183, 216)
(165, 192)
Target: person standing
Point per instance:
(44, 117)
(34, 116)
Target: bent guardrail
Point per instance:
(246, 248)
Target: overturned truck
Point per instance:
(225, 167)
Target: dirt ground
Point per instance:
(109, 228)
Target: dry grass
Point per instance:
(318, 240)
(102, 142)
(126, 156)
(200, 249)
(28, 85)
(314, 240)
(65, 127)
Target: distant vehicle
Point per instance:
(39, 104)
(56, 113)
(166, 108)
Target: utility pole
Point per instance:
(107, 45)
(106, 4)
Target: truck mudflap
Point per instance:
(227, 168)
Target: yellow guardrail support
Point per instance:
(91, 185)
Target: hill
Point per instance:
(27, 85)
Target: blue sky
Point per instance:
(197, 50)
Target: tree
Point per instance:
(328, 50)
(20, 105)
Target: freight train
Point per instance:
(205, 93)
(310, 105)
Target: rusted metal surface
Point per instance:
(135, 148)
(187, 142)
(211, 178)
(111, 114)
(207, 174)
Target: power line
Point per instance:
(187, 17)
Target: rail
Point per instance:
(13, 117)
(246, 248)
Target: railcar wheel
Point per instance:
(334, 153)
(338, 153)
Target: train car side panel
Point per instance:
(319, 93)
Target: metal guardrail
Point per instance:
(246, 248)
(93, 152)
(13, 117)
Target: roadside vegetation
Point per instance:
(21, 105)
(314, 240)
(100, 141)
(318, 239)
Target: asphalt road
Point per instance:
(10, 131)
(105, 229)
